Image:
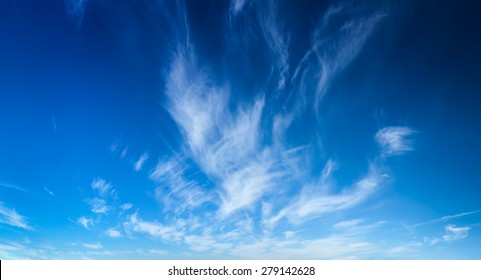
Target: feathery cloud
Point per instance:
(276, 38)
(13, 187)
(104, 192)
(11, 217)
(455, 233)
(348, 224)
(94, 246)
(337, 40)
(140, 162)
(313, 202)
(98, 205)
(154, 229)
(223, 144)
(392, 140)
(126, 206)
(102, 188)
(48, 191)
(114, 233)
(447, 218)
(76, 10)
(85, 222)
(236, 6)
(174, 190)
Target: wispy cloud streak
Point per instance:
(76, 10)
(140, 162)
(114, 233)
(13, 187)
(48, 191)
(104, 193)
(447, 218)
(393, 140)
(455, 233)
(154, 229)
(315, 200)
(11, 217)
(85, 222)
(94, 246)
(335, 43)
(225, 145)
(175, 191)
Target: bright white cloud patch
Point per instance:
(314, 202)
(154, 229)
(126, 206)
(393, 140)
(455, 233)
(85, 222)
(225, 145)
(102, 187)
(140, 162)
(105, 193)
(98, 205)
(114, 233)
(11, 217)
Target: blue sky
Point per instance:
(240, 129)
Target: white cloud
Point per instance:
(154, 229)
(239, 149)
(54, 123)
(76, 10)
(331, 247)
(455, 233)
(98, 205)
(126, 206)
(140, 162)
(288, 234)
(447, 218)
(315, 199)
(337, 40)
(102, 188)
(206, 243)
(236, 6)
(276, 38)
(13, 187)
(225, 145)
(452, 233)
(94, 246)
(244, 187)
(174, 190)
(23, 251)
(104, 192)
(348, 224)
(48, 191)
(124, 152)
(114, 233)
(85, 222)
(392, 140)
(11, 217)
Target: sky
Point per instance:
(240, 129)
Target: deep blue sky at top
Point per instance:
(86, 94)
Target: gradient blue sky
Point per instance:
(241, 129)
